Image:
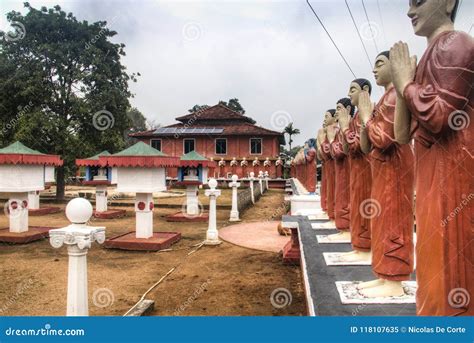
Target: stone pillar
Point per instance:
(78, 237)
(192, 200)
(144, 215)
(34, 200)
(234, 213)
(18, 212)
(101, 198)
(266, 180)
(212, 235)
(251, 179)
(260, 182)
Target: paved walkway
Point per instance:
(255, 235)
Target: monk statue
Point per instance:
(392, 165)
(440, 117)
(339, 152)
(360, 175)
(243, 165)
(311, 168)
(319, 141)
(279, 168)
(329, 167)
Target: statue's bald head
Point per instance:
(427, 16)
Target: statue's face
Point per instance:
(382, 71)
(428, 15)
(328, 120)
(339, 107)
(354, 92)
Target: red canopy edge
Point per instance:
(87, 163)
(139, 161)
(195, 164)
(50, 160)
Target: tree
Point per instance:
(70, 76)
(290, 131)
(197, 108)
(138, 124)
(234, 105)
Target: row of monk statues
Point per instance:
(404, 167)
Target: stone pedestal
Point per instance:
(78, 238)
(234, 213)
(144, 215)
(18, 212)
(192, 201)
(34, 200)
(101, 198)
(212, 235)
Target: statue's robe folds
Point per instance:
(360, 187)
(311, 170)
(323, 185)
(393, 177)
(330, 180)
(441, 102)
(342, 172)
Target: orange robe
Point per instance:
(323, 186)
(342, 172)
(311, 170)
(393, 185)
(441, 102)
(330, 178)
(360, 187)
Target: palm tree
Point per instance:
(290, 130)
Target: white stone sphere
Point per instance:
(79, 211)
(212, 183)
(234, 178)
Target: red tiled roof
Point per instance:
(216, 112)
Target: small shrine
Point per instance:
(192, 173)
(100, 177)
(22, 170)
(141, 170)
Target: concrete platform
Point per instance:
(43, 211)
(181, 217)
(262, 236)
(110, 214)
(128, 241)
(34, 233)
(319, 280)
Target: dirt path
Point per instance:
(222, 280)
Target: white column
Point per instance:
(266, 180)
(34, 200)
(212, 235)
(251, 178)
(101, 198)
(18, 212)
(192, 200)
(144, 215)
(260, 177)
(78, 237)
(234, 212)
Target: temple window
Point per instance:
(188, 145)
(221, 146)
(256, 146)
(156, 144)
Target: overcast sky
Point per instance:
(272, 55)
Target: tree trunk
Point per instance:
(60, 183)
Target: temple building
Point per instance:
(232, 140)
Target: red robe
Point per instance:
(393, 178)
(311, 170)
(360, 187)
(342, 172)
(444, 150)
(330, 178)
(323, 186)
